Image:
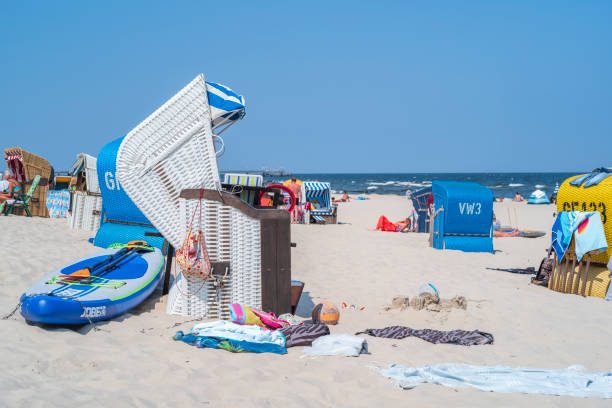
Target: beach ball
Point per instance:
(325, 313)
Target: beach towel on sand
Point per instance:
(461, 337)
(227, 330)
(570, 381)
(337, 344)
(303, 335)
(233, 337)
(234, 346)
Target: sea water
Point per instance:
(504, 185)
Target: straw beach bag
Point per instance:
(192, 256)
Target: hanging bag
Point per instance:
(192, 256)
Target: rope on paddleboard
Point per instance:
(91, 322)
(101, 282)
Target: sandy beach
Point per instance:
(133, 361)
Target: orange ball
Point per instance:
(325, 313)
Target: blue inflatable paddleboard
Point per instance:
(60, 299)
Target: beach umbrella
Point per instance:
(297, 181)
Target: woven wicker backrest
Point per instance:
(593, 198)
(89, 169)
(231, 236)
(33, 165)
(170, 151)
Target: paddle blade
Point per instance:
(133, 244)
(139, 245)
(81, 273)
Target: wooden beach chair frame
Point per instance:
(564, 278)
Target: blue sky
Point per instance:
(330, 86)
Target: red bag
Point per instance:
(193, 255)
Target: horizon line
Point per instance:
(289, 173)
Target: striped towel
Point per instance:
(304, 334)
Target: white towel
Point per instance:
(570, 381)
(337, 344)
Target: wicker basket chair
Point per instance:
(25, 166)
(171, 151)
(319, 195)
(593, 198)
(86, 199)
(257, 245)
(84, 170)
(421, 205)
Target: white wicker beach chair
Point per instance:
(232, 237)
(171, 151)
(91, 174)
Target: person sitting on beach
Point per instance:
(344, 199)
(518, 197)
(12, 187)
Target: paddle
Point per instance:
(85, 274)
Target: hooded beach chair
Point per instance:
(575, 195)
(167, 165)
(318, 194)
(25, 166)
(84, 170)
(86, 199)
(232, 180)
(420, 202)
(21, 200)
(463, 216)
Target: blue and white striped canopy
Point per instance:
(320, 192)
(226, 106)
(315, 188)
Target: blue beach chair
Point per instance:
(318, 194)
